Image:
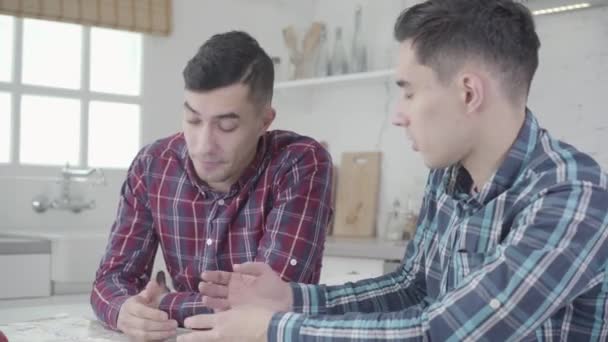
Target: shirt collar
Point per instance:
(255, 168)
(459, 182)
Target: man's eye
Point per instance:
(228, 125)
(193, 121)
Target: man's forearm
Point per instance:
(106, 305)
(394, 291)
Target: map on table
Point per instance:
(64, 328)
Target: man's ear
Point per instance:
(268, 116)
(472, 91)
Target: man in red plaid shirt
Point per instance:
(224, 191)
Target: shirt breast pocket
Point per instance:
(465, 263)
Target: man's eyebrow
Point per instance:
(231, 115)
(188, 107)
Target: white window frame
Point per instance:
(17, 89)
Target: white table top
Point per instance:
(19, 310)
(52, 319)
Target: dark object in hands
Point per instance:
(161, 280)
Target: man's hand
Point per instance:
(139, 317)
(242, 324)
(253, 284)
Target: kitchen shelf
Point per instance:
(333, 80)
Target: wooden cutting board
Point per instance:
(357, 197)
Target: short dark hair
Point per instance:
(445, 33)
(228, 58)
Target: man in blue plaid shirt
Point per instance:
(512, 240)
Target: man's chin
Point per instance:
(216, 177)
(213, 169)
(438, 164)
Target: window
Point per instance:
(71, 93)
(51, 54)
(115, 61)
(5, 127)
(6, 47)
(50, 129)
(104, 148)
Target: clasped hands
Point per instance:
(243, 301)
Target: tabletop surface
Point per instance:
(54, 319)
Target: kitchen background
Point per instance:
(350, 113)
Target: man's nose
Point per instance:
(400, 119)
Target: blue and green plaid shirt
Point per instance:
(525, 258)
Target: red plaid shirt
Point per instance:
(276, 213)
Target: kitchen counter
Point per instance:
(364, 248)
(55, 318)
(12, 244)
(19, 310)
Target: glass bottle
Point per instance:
(339, 63)
(395, 223)
(358, 49)
(322, 62)
(411, 219)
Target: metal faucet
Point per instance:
(66, 200)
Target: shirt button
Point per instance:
(220, 202)
(495, 304)
(293, 262)
(209, 242)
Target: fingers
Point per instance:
(216, 277)
(135, 323)
(144, 323)
(214, 296)
(217, 304)
(213, 290)
(155, 289)
(199, 336)
(140, 310)
(152, 335)
(203, 321)
(252, 268)
(147, 334)
(147, 293)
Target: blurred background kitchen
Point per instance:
(84, 89)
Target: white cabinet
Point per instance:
(339, 270)
(25, 275)
(73, 257)
(349, 260)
